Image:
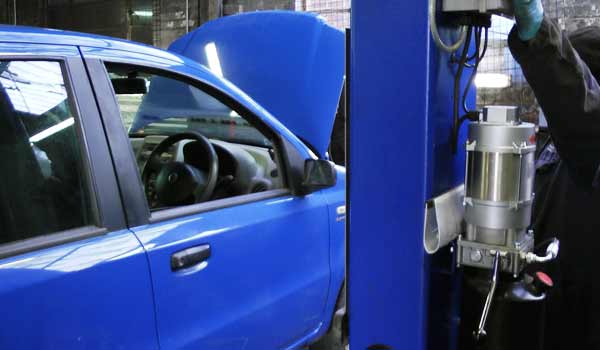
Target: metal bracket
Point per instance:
(481, 255)
(444, 217)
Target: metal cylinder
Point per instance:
(499, 177)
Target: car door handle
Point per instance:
(190, 257)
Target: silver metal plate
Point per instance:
(444, 217)
(482, 255)
(482, 6)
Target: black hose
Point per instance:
(475, 68)
(473, 72)
(457, 80)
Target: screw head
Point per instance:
(476, 255)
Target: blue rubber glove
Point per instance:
(529, 15)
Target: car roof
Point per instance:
(24, 34)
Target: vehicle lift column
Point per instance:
(400, 155)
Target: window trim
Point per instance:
(199, 208)
(50, 240)
(101, 80)
(98, 203)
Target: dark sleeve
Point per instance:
(569, 96)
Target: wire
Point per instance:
(480, 57)
(477, 46)
(474, 71)
(436, 34)
(485, 44)
(457, 79)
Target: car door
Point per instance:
(259, 269)
(72, 276)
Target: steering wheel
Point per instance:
(176, 182)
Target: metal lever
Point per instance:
(488, 301)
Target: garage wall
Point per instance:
(170, 15)
(574, 14)
(155, 22)
(237, 6)
(336, 12)
(6, 11)
(119, 18)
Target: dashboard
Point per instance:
(243, 169)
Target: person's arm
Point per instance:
(569, 96)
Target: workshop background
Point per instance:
(159, 22)
(500, 80)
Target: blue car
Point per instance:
(177, 199)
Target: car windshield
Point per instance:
(155, 105)
(231, 129)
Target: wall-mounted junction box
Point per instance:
(502, 7)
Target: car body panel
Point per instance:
(93, 294)
(300, 84)
(267, 282)
(271, 282)
(31, 50)
(41, 36)
(264, 285)
(84, 288)
(336, 203)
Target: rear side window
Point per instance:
(43, 187)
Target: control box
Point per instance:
(499, 7)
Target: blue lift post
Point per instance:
(400, 155)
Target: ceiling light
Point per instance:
(492, 81)
(142, 13)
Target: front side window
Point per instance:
(44, 185)
(189, 146)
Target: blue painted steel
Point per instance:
(444, 171)
(300, 84)
(272, 280)
(93, 294)
(23, 34)
(336, 201)
(264, 286)
(401, 108)
(275, 271)
(23, 49)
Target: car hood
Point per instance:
(291, 63)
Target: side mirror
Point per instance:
(318, 174)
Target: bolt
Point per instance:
(476, 256)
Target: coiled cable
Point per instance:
(436, 34)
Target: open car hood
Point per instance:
(291, 63)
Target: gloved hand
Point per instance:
(529, 15)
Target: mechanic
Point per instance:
(564, 71)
